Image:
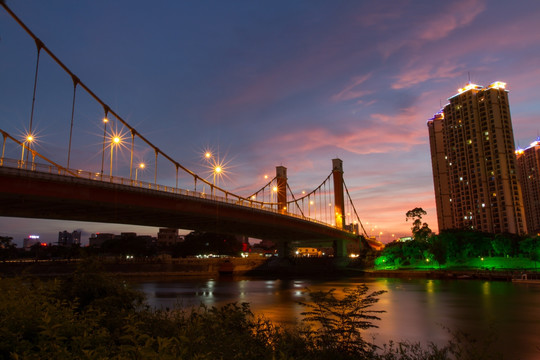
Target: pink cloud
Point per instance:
(419, 73)
(351, 91)
(376, 139)
(457, 15)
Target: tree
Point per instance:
(502, 245)
(439, 249)
(206, 243)
(420, 231)
(7, 248)
(531, 248)
(339, 322)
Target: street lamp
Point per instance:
(274, 190)
(217, 172)
(141, 166)
(29, 138)
(115, 141)
(105, 121)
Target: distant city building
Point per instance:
(405, 238)
(474, 165)
(68, 239)
(308, 252)
(168, 237)
(528, 161)
(30, 241)
(98, 239)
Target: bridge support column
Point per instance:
(281, 179)
(283, 249)
(340, 248)
(339, 202)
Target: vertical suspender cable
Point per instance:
(39, 45)
(155, 168)
(75, 82)
(176, 189)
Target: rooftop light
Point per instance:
(497, 85)
(469, 86)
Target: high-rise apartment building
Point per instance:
(474, 165)
(528, 161)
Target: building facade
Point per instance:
(168, 237)
(474, 165)
(528, 161)
(69, 239)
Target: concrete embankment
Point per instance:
(171, 267)
(445, 274)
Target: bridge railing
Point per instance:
(98, 176)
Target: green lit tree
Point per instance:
(502, 245)
(531, 248)
(420, 231)
(439, 249)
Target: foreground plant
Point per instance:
(336, 325)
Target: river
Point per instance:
(417, 310)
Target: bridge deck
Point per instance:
(31, 194)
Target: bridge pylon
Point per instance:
(339, 200)
(281, 179)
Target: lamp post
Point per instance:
(141, 166)
(216, 173)
(115, 141)
(105, 121)
(29, 138)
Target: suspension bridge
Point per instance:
(36, 182)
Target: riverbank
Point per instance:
(135, 267)
(473, 274)
(253, 267)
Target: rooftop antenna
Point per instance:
(469, 74)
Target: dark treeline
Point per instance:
(195, 243)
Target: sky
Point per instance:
(266, 84)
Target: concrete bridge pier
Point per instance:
(340, 248)
(283, 248)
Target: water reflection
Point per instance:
(416, 309)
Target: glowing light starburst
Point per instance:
(117, 139)
(218, 170)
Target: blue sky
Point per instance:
(269, 83)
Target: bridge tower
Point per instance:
(339, 202)
(281, 179)
(340, 246)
